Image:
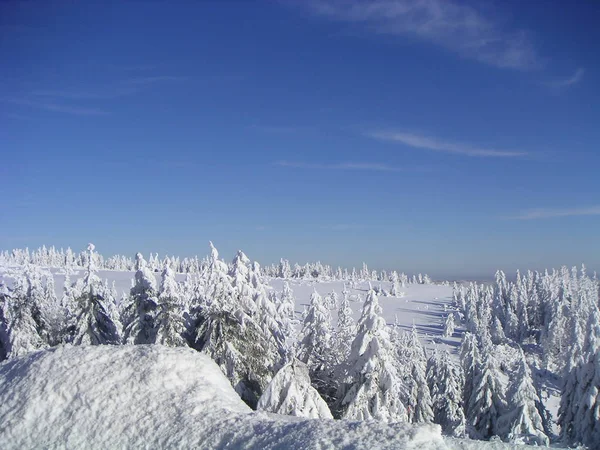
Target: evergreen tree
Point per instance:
(445, 382)
(290, 393)
(414, 361)
(449, 326)
(93, 325)
(523, 423)
(315, 347)
(346, 330)
(170, 320)
(486, 402)
(141, 313)
(372, 387)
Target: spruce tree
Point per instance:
(170, 322)
(523, 423)
(445, 382)
(140, 315)
(93, 325)
(372, 387)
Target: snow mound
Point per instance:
(150, 396)
(112, 396)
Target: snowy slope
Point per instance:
(159, 397)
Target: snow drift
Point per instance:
(150, 396)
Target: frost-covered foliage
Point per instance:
(315, 347)
(449, 325)
(290, 393)
(579, 413)
(170, 322)
(372, 386)
(140, 314)
(445, 381)
(412, 363)
(486, 402)
(93, 324)
(345, 332)
(522, 423)
(238, 327)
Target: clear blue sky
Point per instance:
(442, 136)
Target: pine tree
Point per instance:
(93, 325)
(449, 326)
(346, 330)
(290, 393)
(486, 402)
(19, 330)
(140, 315)
(245, 350)
(315, 347)
(579, 412)
(372, 387)
(418, 398)
(522, 423)
(170, 321)
(445, 382)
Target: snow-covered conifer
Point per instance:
(170, 323)
(140, 327)
(522, 423)
(372, 387)
(93, 324)
(445, 382)
(486, 402)
(449, 325)
(290, 393)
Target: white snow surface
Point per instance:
(150, 396)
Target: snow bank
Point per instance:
(159, 397)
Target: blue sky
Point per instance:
(440, 136)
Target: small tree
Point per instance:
(170, 321)
(290, 393)
(522, 423)
(372, 388)
(445, 382)
(449, 326)
(140, 315)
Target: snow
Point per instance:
(150, 396)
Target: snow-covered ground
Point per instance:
(159, 397)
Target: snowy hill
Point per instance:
(158, 397)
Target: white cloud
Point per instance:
(573, 79)
(374, 167)
(449, 24)
(543, 213)
(430, 143)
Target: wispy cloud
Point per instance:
(573, 79)
(430, 143)
(373, 167)
(49, 106)
(63, 100)
(544, 213)
(456, 26)
(123, 88)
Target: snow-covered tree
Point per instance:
(372, 387)
(413, 364)
(445, 382)
(93, 324)
(290, 393)
(170, 323)
(469, 360)
(315, 347)
(486, 402)
(449, 325)
(244, 348)
(579, 412)
(522, 423)
(346, 330)
(140, 315)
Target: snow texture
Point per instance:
(151, 396)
